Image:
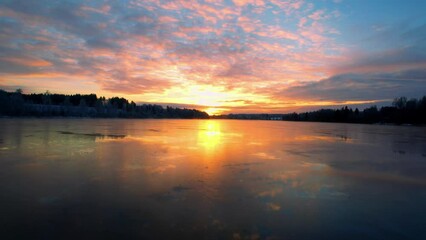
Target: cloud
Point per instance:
(237, 70)
(400, 58)
(241, 3)
(288, 7)
(102, 10)
(27, 62)
(317, 15)
(266, 51)
(364, 73)
(397, 48)
(374, 86)
(277, 32)
(125, 48)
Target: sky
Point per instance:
(232, 56)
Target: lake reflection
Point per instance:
(210, 179)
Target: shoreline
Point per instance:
(242, 119)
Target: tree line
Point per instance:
(402, 111)
(85, 105)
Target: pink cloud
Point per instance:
(145, 19)
(102, 10)
(241, 3)
(302, 22)
(248, 25)
(317, 15)
(167, 20)
(185, 43)
(288, 7)
(313, 37)
(277, 32)
(200, 30)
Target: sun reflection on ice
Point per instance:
(210, 134)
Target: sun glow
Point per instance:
(207, 96)
(212, 99)
(216, 100)
(215, 110)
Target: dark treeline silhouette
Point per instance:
(402, 111)
(81, 105)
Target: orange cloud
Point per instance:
(28, 62)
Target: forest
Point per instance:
(85, 105)
(402, 111)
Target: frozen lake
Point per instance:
(210, 179)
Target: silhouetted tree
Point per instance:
(400, 102)
(17, 103)
(402, 111)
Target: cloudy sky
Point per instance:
(219, 56)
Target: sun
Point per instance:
(215, 110)
(214, 100)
